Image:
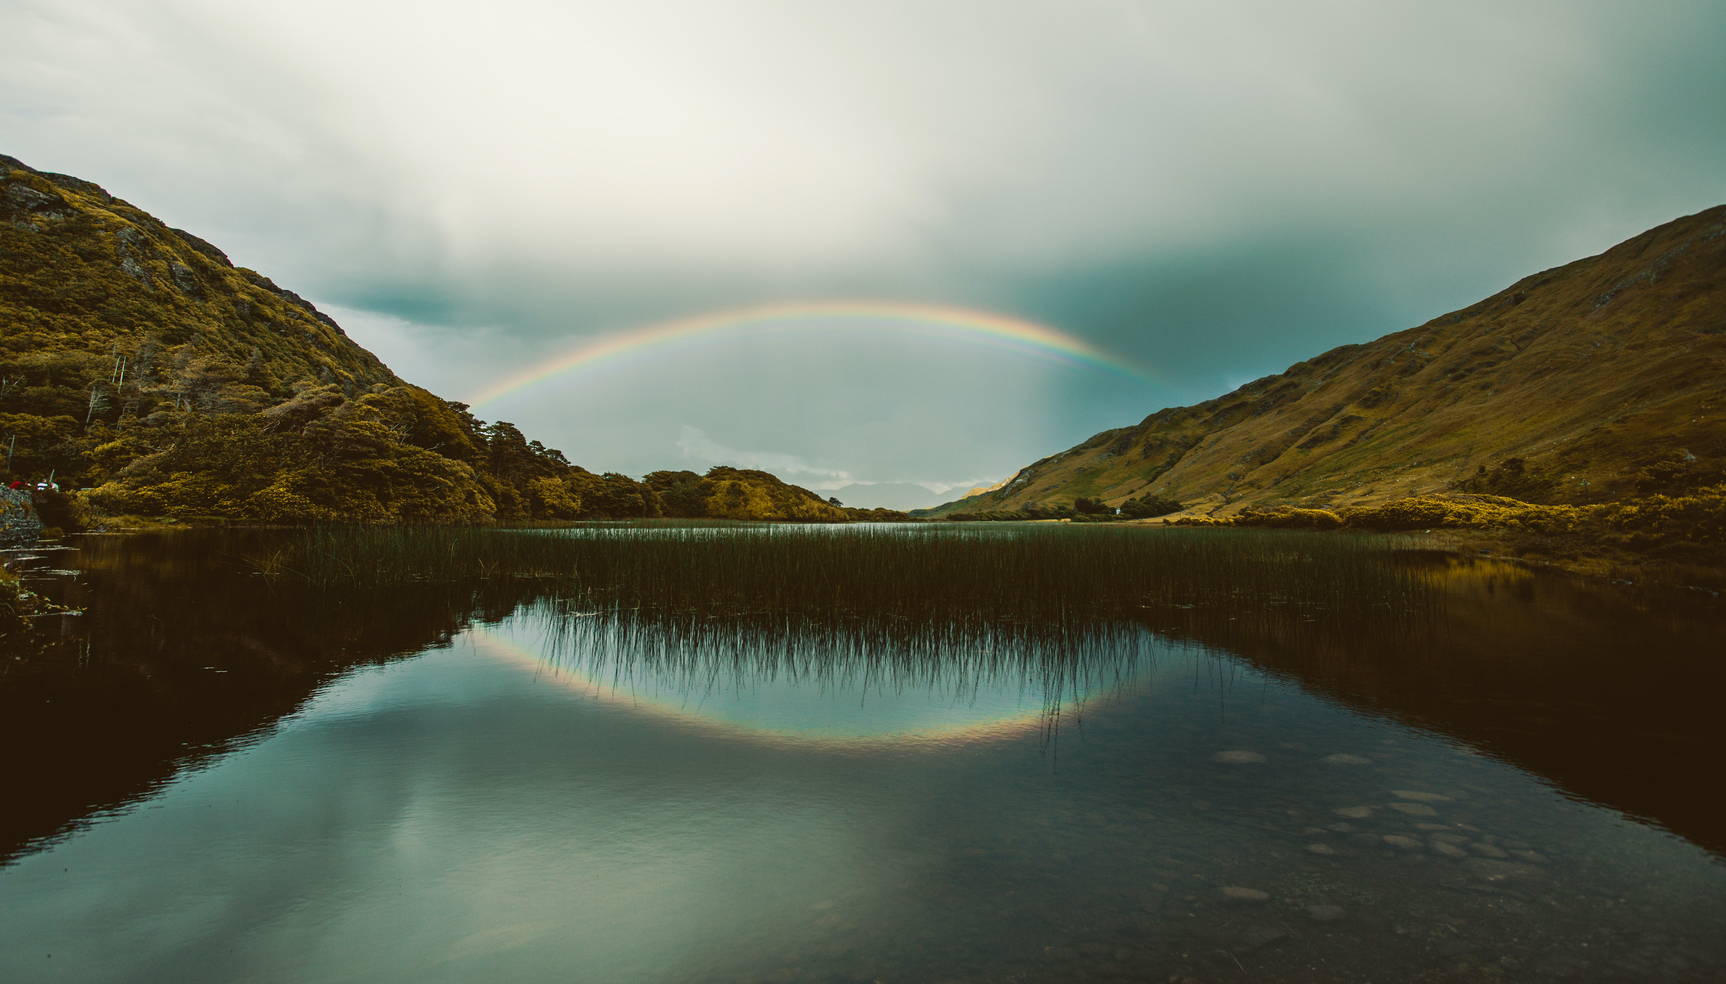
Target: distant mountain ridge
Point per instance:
(1598, 379)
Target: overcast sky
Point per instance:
(1207, 191)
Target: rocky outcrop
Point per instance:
(19, 524)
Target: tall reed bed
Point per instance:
(1029, 574)
(1062, 609)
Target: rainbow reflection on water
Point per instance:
(852, 705)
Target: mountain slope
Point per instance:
(90, 281)
(138, 362)
(1603, 378)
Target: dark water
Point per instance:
(220, 777)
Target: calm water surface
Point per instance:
(479, 786)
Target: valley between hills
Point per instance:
(1573, 416)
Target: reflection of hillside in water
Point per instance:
(1607, 693)
(180, 653)
(184, 651)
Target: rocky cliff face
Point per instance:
(1596, 380)
(19, 524)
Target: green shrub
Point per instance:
(1290, 518)
(1148, 506)
(1405, 514)
(1512, 478)
(1693, 523)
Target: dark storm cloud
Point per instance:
(1213, 190)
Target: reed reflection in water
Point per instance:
(1050, 615)
(837, 683)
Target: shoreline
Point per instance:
(1571, 553)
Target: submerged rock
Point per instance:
(1415, 809)
(1236, 893)
(1398, 840)
(1257, 935)
(1356, 812)
(1343, 758)
(1561, 967)
(1238, 757)
(1488, 870)
(1419, 797)
(1321, 849)
(1325, 913)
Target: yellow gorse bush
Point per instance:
(1693, 523)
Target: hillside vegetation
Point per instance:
(139, 365)
(1599, 384)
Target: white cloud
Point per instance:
(703, 452)
(790, 139)
(479, 186)
(446, 362)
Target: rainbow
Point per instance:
(981, 327)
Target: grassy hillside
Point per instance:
(93, 290)
(139, 365)
(1601, 381)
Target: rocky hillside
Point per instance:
(140, 367)
(1592, 382)
(93, 287)
(137, 363)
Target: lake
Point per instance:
(747, 754)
